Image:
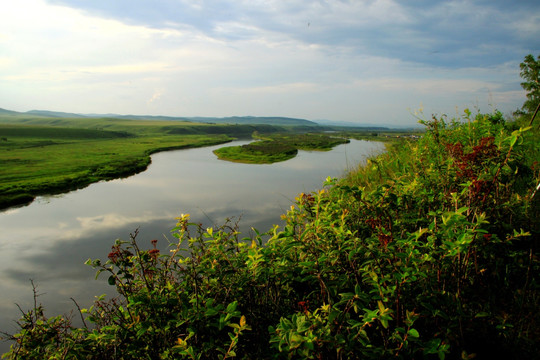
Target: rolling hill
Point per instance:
(274, 120)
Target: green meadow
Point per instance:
(47, 155)
(40, 155)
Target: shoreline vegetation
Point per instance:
(429, 251)
(277, 147)
(46, 155)
(106, 160)
(42, 160)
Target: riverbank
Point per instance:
(46, 156)
(42, 156)
(59, 168)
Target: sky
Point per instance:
(360, 61)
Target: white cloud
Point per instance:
(114, 220)
(256, 58)
(156, 96)
(526, 25)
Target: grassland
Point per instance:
(40, 155)
(48, 155)
(277, 147)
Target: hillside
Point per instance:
(7, 112)
(53, 114)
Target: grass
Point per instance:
(277, 147)
(259, 152)
(46, 155)
(383, 136)
(41, 166)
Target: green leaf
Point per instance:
(232, 306)
(481, 314)
(513, 138)
(414, 333)
(211, 312)
(111, 280)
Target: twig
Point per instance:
(80, 312)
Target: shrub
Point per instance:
(429, 251)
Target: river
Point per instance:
(49, 240)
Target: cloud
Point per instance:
(404, 30)
(113, 221)
(156, 96)
(316, 59)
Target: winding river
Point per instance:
(49, 240)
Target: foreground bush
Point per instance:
(429, 251)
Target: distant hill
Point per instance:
(254, 120)
(240, 120)
(244, 120)
(55, 114)
(7, 112)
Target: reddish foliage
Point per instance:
(154, 253)
(115, 254)
(307, 199)
(304, 305)
(385, 239)
(472, 164)
(373, 223)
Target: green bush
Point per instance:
(428, 251)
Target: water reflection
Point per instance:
(49, 240)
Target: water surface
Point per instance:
(49, 240)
